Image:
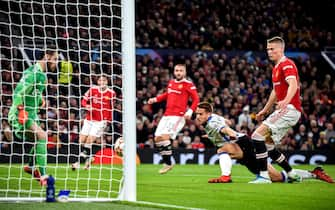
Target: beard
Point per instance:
(179, 78)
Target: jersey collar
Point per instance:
(280, 60)
(38, 67)
(183, 80)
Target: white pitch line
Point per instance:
(167, 205)
(243, 177)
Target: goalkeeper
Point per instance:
(23, 114)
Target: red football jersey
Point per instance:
(101, 103)
(177, 96)
(280, 73)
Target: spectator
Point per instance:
(244, 118)
(322, 143)
(330, 133)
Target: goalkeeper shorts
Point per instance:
(18, 128)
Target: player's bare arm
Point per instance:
(271, 101)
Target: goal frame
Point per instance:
(128, 190)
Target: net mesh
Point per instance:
(87, 35)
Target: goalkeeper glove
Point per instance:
(23, 114)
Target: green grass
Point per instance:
(186, 185)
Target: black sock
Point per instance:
(261, 154)
(167, 159)
(280, 159)
(87, 152)
(165, 149)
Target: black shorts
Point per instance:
(249, 156)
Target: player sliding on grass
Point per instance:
(98, 101)
(23, 117)
(232, 144)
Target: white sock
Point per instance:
(284, 176)
(303, 173)
(225, 164)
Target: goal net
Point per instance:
(91, 37)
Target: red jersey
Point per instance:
(177, 96)
(282, 71)
(101, 103)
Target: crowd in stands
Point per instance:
(234, 25)
(237, 87)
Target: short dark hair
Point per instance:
(206, 106)
(49, 50)
(276, 39)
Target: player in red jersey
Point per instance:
(286, 95)
(98, 101)
(178, 92)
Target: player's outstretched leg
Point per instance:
(281, 160)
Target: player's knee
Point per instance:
(257, 136)
(82, 138)
(270, 147)
(225, 149)
(162, 138)
(91, 139)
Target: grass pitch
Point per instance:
(184, 186)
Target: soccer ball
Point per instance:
(118, 146)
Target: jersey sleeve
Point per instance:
(25, 86)
(194, 96)
(86, 97)
(289, 70)
(217, 123)
(161, 97)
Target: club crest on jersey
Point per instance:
(180, 86)
(276, 75)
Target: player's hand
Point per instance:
(188, 114)
(88, 107)
(23, 114)
(281, 105)
(187, 117)
(43, 102)
(152, 100)
(260, 115)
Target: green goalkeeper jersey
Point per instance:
(28, 91)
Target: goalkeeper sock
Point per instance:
(31, 157)
(279, 158)
(165, 149)
(225, 164)
(41, 155)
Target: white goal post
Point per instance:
(94, 36)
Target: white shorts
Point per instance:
(171, 125)
(93, 128)
(281, 120)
